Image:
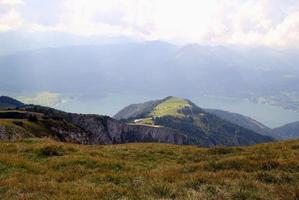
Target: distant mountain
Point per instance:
(241, 120)
(9, 103)
(288, 131)
(183, 115)
(145, 67)
(18, 41)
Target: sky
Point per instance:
(238, 22)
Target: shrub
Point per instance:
(18, 123)
(51, 150)
(32, 118)
(269, 164)
(220, 150)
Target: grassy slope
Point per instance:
(44, 169)
(170, 107)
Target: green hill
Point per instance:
(45, 169)
(204, 128)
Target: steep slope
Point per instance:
(241, 120)
(183, 115)
(288, 131)
(9, 103)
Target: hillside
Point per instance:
(9, 103)
(45, 169)
(183, 115)
(241, 120)
(288, 131)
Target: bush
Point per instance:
(269, 165)
(32, 118)
(18, 123)
(51, 150)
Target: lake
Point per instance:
(271, 116)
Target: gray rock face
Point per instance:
(106, 130)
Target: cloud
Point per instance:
(248, 22)
(10, 20)
(11, 2)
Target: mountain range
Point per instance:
(155, 68)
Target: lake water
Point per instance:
(271, 116)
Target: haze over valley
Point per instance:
(257, 81)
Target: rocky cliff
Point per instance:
(106, 130)
(41, 121)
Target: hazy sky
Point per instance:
(253, 22)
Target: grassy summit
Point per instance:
(171, 107)
(45, 169)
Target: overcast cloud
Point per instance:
(249, 22)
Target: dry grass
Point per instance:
(45, 169)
